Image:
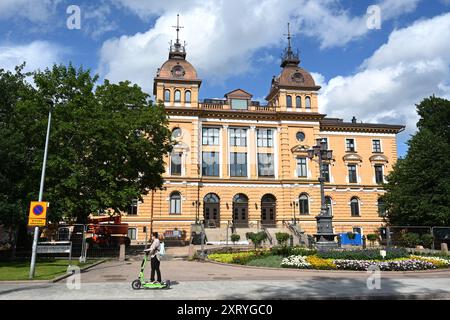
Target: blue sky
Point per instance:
(377, 75)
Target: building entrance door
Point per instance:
(211, 210)
(240, 210)
(268, 210)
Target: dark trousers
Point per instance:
(155, 267)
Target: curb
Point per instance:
(432, 271)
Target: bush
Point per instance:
(427, 240)
(282, 237)
(257, 238)
(369, 254)
(410, 240)
(235, 237)
(372, 237)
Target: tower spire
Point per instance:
(177, 50)
(288, 56)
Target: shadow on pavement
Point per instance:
(337, 289)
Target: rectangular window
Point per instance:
(239, 104)
(352, 178)
(301, 168)
(379, 174)
(132, 233)
(326, 172)
(133, 208)
(175, 204)
(210, 136)
(265, 165)
(238, 164)
(210, 164)
(376, 145)
(265, 138)
(350, 143)
(175, 164)
(238, 137)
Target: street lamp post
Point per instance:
(41, 191)
(325, 235)
(294, 204)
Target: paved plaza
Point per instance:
(205, 280)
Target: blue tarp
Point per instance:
(346, 241)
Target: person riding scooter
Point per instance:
(155, 258)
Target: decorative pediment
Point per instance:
(352, 158)
(300, 149)
(180, 147)
(238, 94)
(378, 158)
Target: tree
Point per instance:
(15, 178)
(418, 188)
(107, 142)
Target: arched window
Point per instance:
(167, 95)
(354, 206)
(381, 208)
(303, 203)
(211, 198)
(298, 102)
(175, 203)
(329, 205)
(308, 103)
(289, 101)
(187, 97)
(240, 198)
(177, 95)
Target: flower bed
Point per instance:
(238, 257)
(302, 258)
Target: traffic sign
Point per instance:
(38, 210)
(38, 214)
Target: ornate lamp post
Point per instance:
(325, 235)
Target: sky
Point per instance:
(375, 60)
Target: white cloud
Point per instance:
(413, 64)
(37, 55)
(223, 36)
(33, 10)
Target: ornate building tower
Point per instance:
(294, 88)
(176, 83)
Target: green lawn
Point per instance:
(268, 261)
(45, 269)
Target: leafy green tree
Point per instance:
(418, 189)
(107, 143)
(15, 157)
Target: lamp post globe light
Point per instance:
(325, 235)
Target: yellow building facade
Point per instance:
(242, 164)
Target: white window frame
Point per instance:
(381, 146)
(296, 167)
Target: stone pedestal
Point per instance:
(325, 238)
(122, 252)
(444, 248)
